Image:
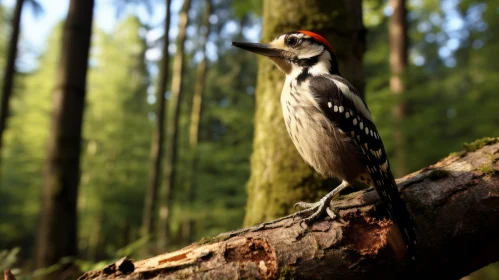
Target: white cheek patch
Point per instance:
(322, 66)
(278, 44)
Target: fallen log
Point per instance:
(455, 205)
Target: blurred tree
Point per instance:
(244, 7)
(25, 150)
(197, 103)
(173, 125)
(117, 133)
(398, 64)
(58, 225)
(225, 130)
(8, 78)
(279, 176)
(158, 137)
(9, 71)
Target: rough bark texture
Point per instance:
(8, 78)
(158, 138)
(455, 204)
(58, 223)
(173, 123)
(279, 176)
(398, 64)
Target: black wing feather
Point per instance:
(364, 134)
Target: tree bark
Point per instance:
(455, 205)
(158, 137)
(58, 224)
(279, 176)
(10, 69)
(197, 105)
(398, 64)
(173, 122)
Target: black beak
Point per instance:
(262, 49)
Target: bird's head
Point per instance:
(296, 51)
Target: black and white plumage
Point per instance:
(331, 125)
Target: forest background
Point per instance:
(138, 194)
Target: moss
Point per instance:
(487, 169)
(438, 174)
(287, 273)
(214, 239)
(457, 154)
(477, 144)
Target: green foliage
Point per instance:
(451, 99)
(448, 105)
(243, 7)
(117, 134)
(8, 258)
(24, 153)
(225, 145)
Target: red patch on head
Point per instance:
(318, 38)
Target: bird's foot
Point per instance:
(313, 211)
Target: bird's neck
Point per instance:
(322, 64)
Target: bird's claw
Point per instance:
(330, 213)
(305, 205)
(313, 210)
(306, 210)
(300, 223)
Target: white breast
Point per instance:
(318, 141)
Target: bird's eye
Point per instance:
(291, 41)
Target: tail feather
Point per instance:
(396, 206)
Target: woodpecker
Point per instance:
(331, 125)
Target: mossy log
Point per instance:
(456, 210)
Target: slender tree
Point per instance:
(8, 78)
(173, 123)
(58, 223)
(398, 64)
(197, 104)
(9, 73)
(279, 176)
(158, 137)
(117, 133)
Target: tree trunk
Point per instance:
(398, 64)
(58, 224)
(455, 205)
(158, 138)
(197, 104)
(10, 69)
(173, 122)
(279, 176)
